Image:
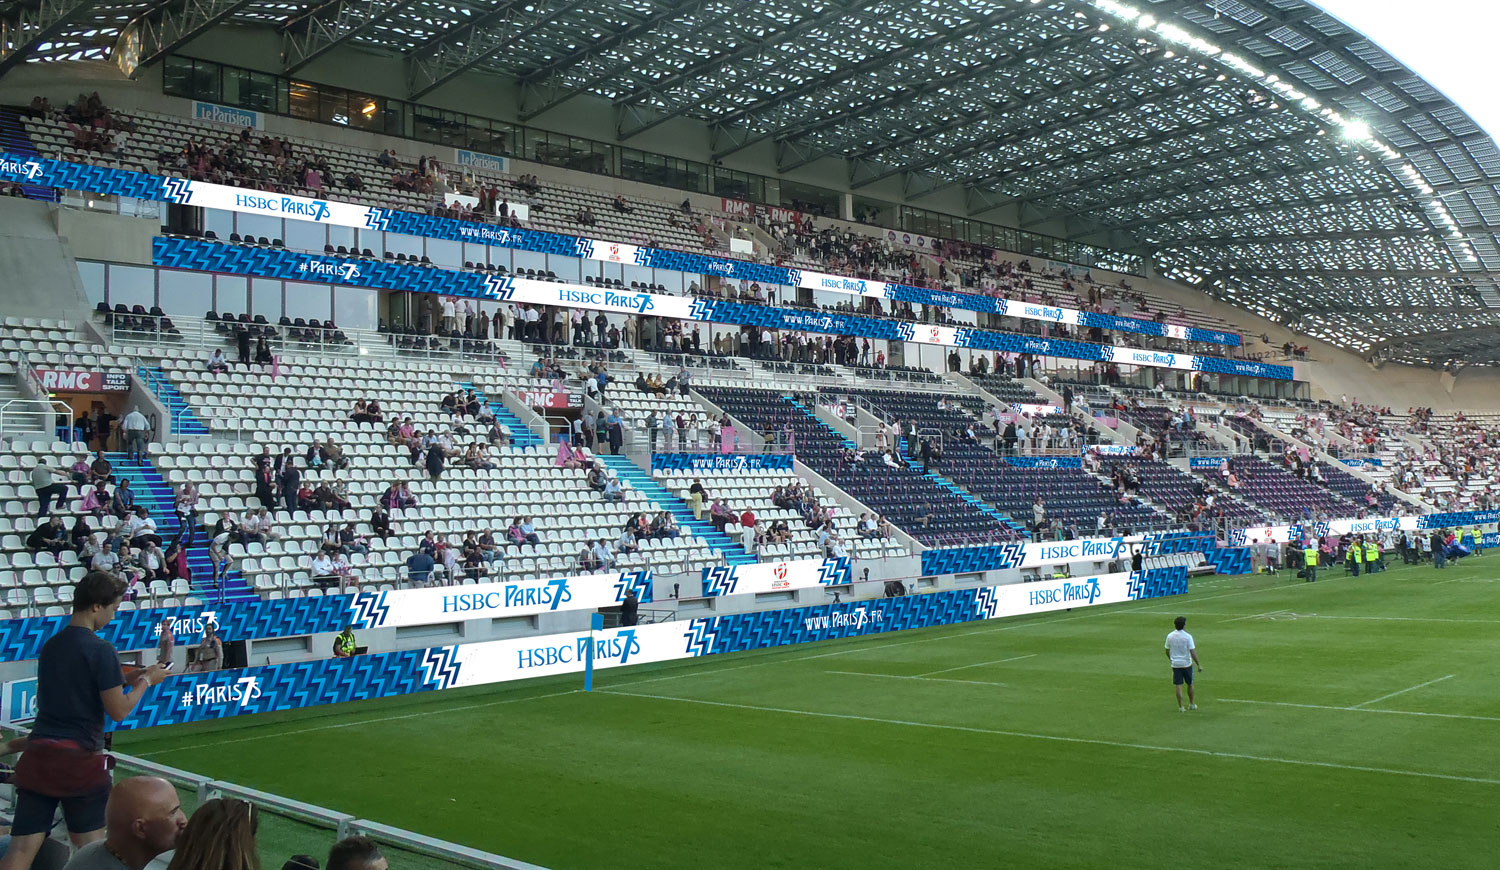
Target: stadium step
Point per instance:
(964, 495)
(520, 434)
(641, 482)
(850, 445)
(15, 140)
(155, 494)
(181, 417)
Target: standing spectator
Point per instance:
(79, 682)
(46, 480)
(136, 429)
(291, 483)
(629, 608)
(210, 648)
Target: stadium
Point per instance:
(742, 433)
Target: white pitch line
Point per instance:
(1057, 738)
(1361, 709)
(904, 677)
(980, 664)
(351, 724)
(1252, 616)
(1403, 691)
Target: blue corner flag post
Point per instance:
(596, 623)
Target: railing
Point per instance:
(341, 824)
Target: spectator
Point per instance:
(80, 682)
(101, 470)
(218, 559)
(137, 430)
(95, 501)
(81, 534)
(219, 836)
(210, 650)
(603, 554)
(49, 536)
(612, 491)
(419, 567)
(217, 363)
(356, 853)
(263, 353)
(143, 529)
(185, 507)
(720, 515)
(696, 496)
(629, 607)
(46, 481)
(142, 819)
(380, 522)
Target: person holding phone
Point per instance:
(79, 682)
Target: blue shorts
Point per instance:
(83, 814)
(1182, 675)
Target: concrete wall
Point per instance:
(40, 274)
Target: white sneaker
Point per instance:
(1182, 709)
(1192, 706)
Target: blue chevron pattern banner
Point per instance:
(22, 639)
(279, 263)
(1021, 554)
(39, 171)
(223, 694)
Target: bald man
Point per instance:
(356, 853)
(142, 820)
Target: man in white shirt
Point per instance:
(1182, 653)
(135, 426)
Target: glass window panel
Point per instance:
(530, 260)
(339, 236)
(220, 221)
(356, 308)
(93, 278)
(445, 253)
(132, 285)
(230, 293)
(258, 225)
(302, 100)
(306, 236)
(185, 293)
(308, 301)
(177, 76)
(567, 268)
(265, 298)
(364, 112)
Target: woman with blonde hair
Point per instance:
(219, 836)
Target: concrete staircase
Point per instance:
(520, 434)
(640, 481)
(155, 494)
(964, 495)
(180, 415)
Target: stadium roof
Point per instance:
(1257, 149)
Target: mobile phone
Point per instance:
(167, 665)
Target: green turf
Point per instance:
(1070, 754)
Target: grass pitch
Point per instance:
(1347, 723)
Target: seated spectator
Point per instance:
(352, 542)
(353, 853)
(95, 501)
(587, 561)
(473, 558)
(419, 567)
(152, 562)
(516, 536)
(866, 527)
(380, 522)
(499, 434)
(332, 455)
(595, 478)
(720, 515)
(81, 533)
(604, 555)
(664, 526)
(612, 491)
(263, 355)
(626, 543)
(143, 818)
(175, 562)
(101, 470)
(49, 536)
(217, 363)
(122, 501)
(142, 529)
(883, 527)
(322, 569)
(449, 404)
(219, 836)
(489, 548)
(620, 205)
